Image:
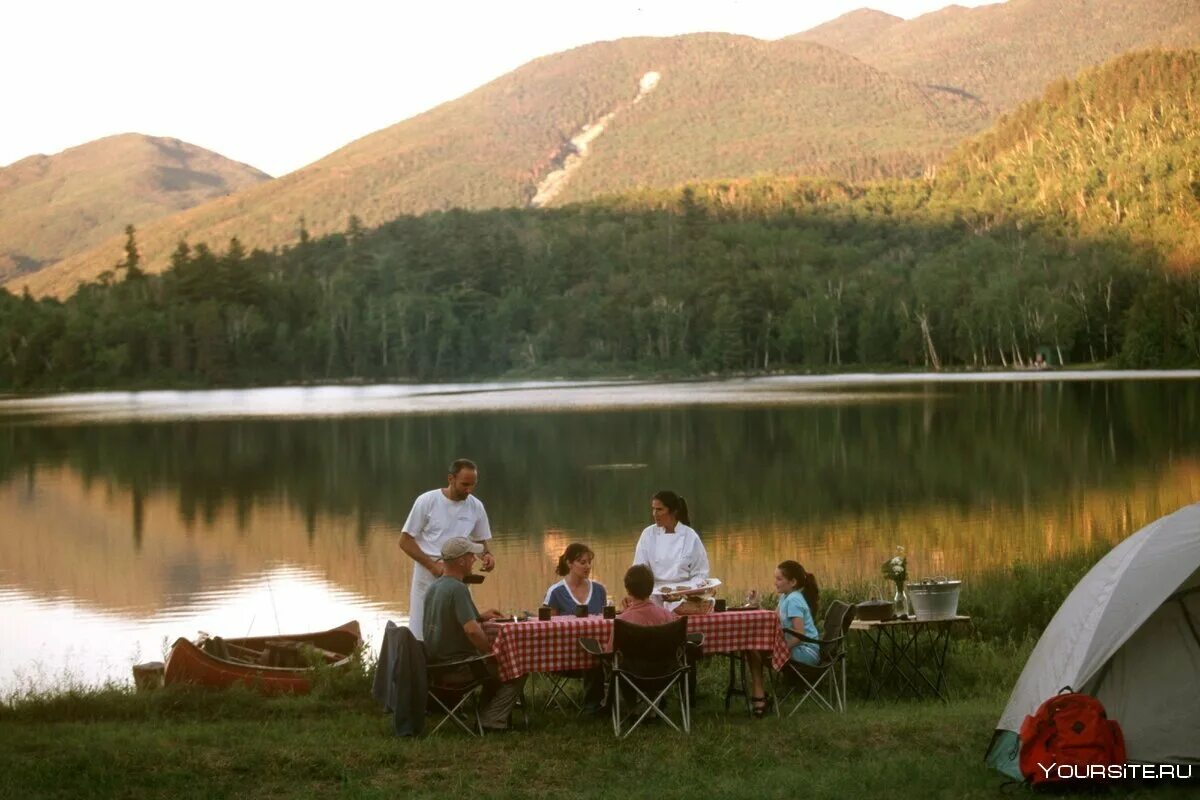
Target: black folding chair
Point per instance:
(810, 679)
(453, 691)
(645, 664)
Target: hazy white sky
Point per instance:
(280, 83)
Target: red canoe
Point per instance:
(271, 664)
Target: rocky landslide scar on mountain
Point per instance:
(571, 155)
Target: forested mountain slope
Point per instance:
(1116, 150)
(724, 106)
(863, 97)
(1005, 53)
(54, 206)
(1068, 230)
(851, 31)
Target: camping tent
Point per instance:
(1128, 634)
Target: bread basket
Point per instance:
(695, 605)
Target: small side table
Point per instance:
(908, 655)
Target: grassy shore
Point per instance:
(180, 743)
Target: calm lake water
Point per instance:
(127, 520)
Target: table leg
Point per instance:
(899, 657)
(940, 660)
(737, 669)
(876, 639)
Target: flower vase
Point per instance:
(900, 601)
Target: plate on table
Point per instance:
(673, 590)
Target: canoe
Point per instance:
(281, 664)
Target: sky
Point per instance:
(279, 84)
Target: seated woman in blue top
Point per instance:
(577, 586)
(798, 597)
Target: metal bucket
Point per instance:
(148, 676)
(934, 598)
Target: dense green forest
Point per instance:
(1070, 229)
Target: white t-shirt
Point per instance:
(435, 518)
(674, 558)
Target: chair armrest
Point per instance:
(805, 639)
(593, 648)
(477, 665)
(461, 661)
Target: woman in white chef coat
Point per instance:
(670, 547)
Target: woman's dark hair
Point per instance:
(805, 582)
(574, 552)
(675, 504)
(639, 581)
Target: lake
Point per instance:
(130, 519)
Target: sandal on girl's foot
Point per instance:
(759, 706)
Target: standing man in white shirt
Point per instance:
(436, 517)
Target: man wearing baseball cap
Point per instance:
(437, 516)
(453, 631)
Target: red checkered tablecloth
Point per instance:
(533, 646)
(732, 631)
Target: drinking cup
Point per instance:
(719, 605)
(545, 613)
(581, 610)
(610, 611)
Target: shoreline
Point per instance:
(549, 395)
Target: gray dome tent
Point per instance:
(1128, 634)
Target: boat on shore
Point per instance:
(281, 664)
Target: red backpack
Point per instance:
(1068, 738)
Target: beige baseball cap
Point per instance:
(459, 546)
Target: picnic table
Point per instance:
(533, 646)
(908, 656)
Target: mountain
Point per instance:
(1070, 230)
(613, 116)
(634, 113)
(851, 30)
(1008, 52)
(55, 206)
(1113, 151)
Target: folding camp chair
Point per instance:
(645, 664)
(809, 679)
(453, 690)
(562, 693)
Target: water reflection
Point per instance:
(62, 641)
(118, 535)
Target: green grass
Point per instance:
(182, 744)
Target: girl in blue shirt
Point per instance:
(798, 596)
(577, 586)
